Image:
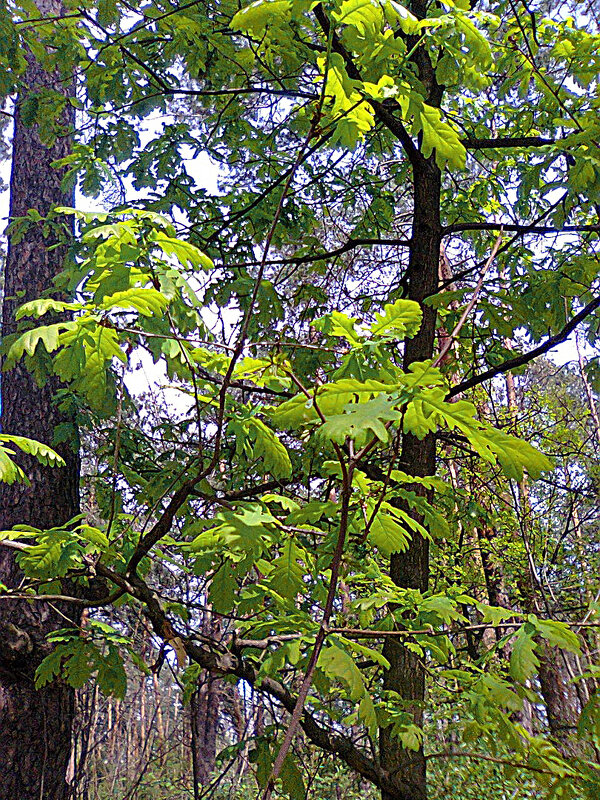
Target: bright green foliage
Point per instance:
(269, 447)
(339, 666)
(361, 421)
(523, 660)
(259, 554)
(399, 320)
(429, 410)
(10, 471)
(80, 654)
(56, 551)
(390, 529)
(276, 318)
(438, 136)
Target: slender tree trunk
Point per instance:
(35, 727)
(204, 708)
(88, 722)
(588, 390)
(160, 725)
(411, 569)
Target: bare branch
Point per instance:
(525, 358)
(503, 142)
(541, 230)
(327, 255)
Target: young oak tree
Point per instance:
(296, 312)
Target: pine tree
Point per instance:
(35, 726)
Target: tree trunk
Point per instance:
(560, 697)
(411, 569)
(35, 727)
(204, 710)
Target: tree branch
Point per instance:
(503, 142)
(525, 358)
(382, 112)
(540, 229)
(470, 305)
(163, 525)
(266, 192)
(324, 256)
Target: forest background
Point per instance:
(344, 541)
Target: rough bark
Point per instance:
(560, 698)
(204, 711)
(35, 727)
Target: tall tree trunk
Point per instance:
(35, 727)
(563, 698)
(411, 569)
(493, 569)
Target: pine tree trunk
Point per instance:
(204, 709)
(35, 727)
(204, 714)
(560, 697)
